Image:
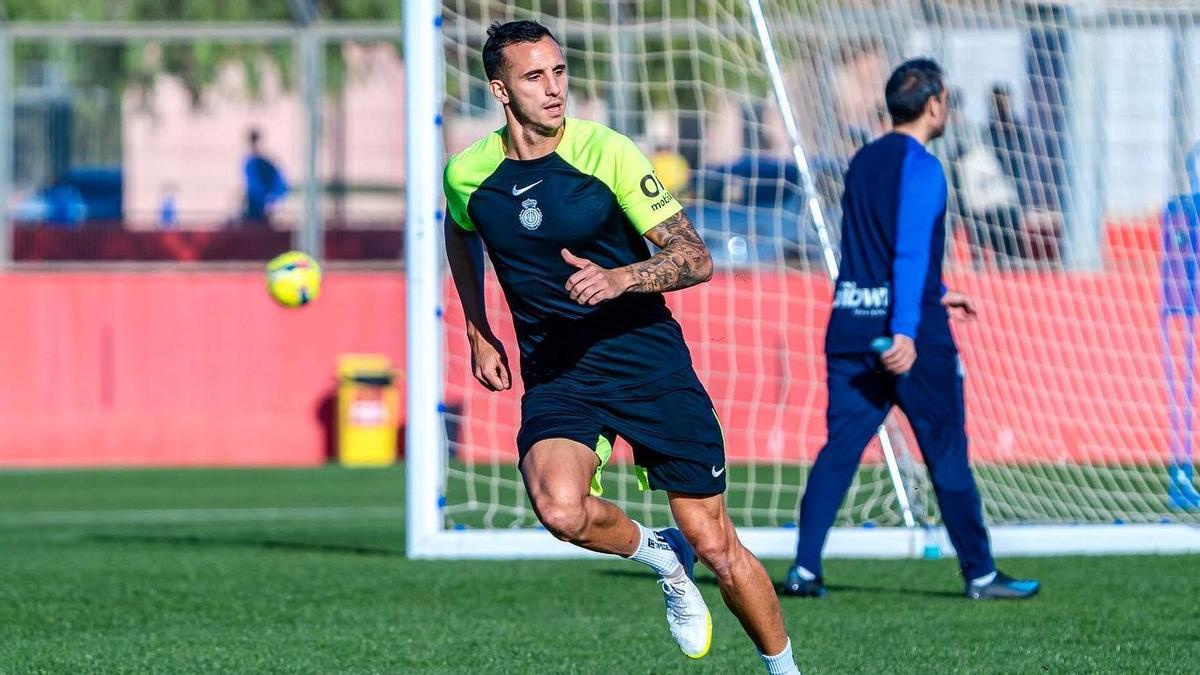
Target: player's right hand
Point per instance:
(593, 284)
(489, 363)
(901, 357)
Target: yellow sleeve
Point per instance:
(639, 192)
(456, 197)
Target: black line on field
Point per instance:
(244, 542)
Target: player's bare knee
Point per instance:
(566, 519)
(717, 549)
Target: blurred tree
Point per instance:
(196, 64)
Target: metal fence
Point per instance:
(132, 142)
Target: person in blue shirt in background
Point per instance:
(264, 185)
(889, 343)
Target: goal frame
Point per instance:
(425, 439)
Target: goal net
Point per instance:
(1071, 222)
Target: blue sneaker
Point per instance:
(1003, 587)
(687, 614)
(796, 585)
(683, 550)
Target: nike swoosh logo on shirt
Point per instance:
(518, 193)
(717, 474)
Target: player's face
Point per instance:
(534, 85)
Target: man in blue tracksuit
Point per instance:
(265, 185)
(889, 342)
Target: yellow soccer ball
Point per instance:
(294, 279)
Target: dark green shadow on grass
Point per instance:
(245, 542)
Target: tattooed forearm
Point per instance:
(683, 261)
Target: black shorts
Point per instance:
(670, 423)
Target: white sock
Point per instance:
(654, 551)
(782, 663)
(804, 573)
(984, 580)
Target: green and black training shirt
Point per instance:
(595, 195)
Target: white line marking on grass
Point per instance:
(156, 516)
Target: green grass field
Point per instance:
(303, 571)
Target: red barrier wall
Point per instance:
(169, 368)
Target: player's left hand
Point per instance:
(592, 284)
(959, 305)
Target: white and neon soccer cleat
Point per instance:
(687, 614)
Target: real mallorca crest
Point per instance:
(293, 279)
(531, 215)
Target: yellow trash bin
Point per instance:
(368, 410)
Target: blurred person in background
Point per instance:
(983, 196)
(672, 170)
(1009, 140)
(858, 76)
(1030, 171)
(168, 207)
(265, 185)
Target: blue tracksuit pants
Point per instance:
(861, 393)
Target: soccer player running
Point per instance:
(890, 299)
(564, 207)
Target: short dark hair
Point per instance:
(910, 87)
(501, 35)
